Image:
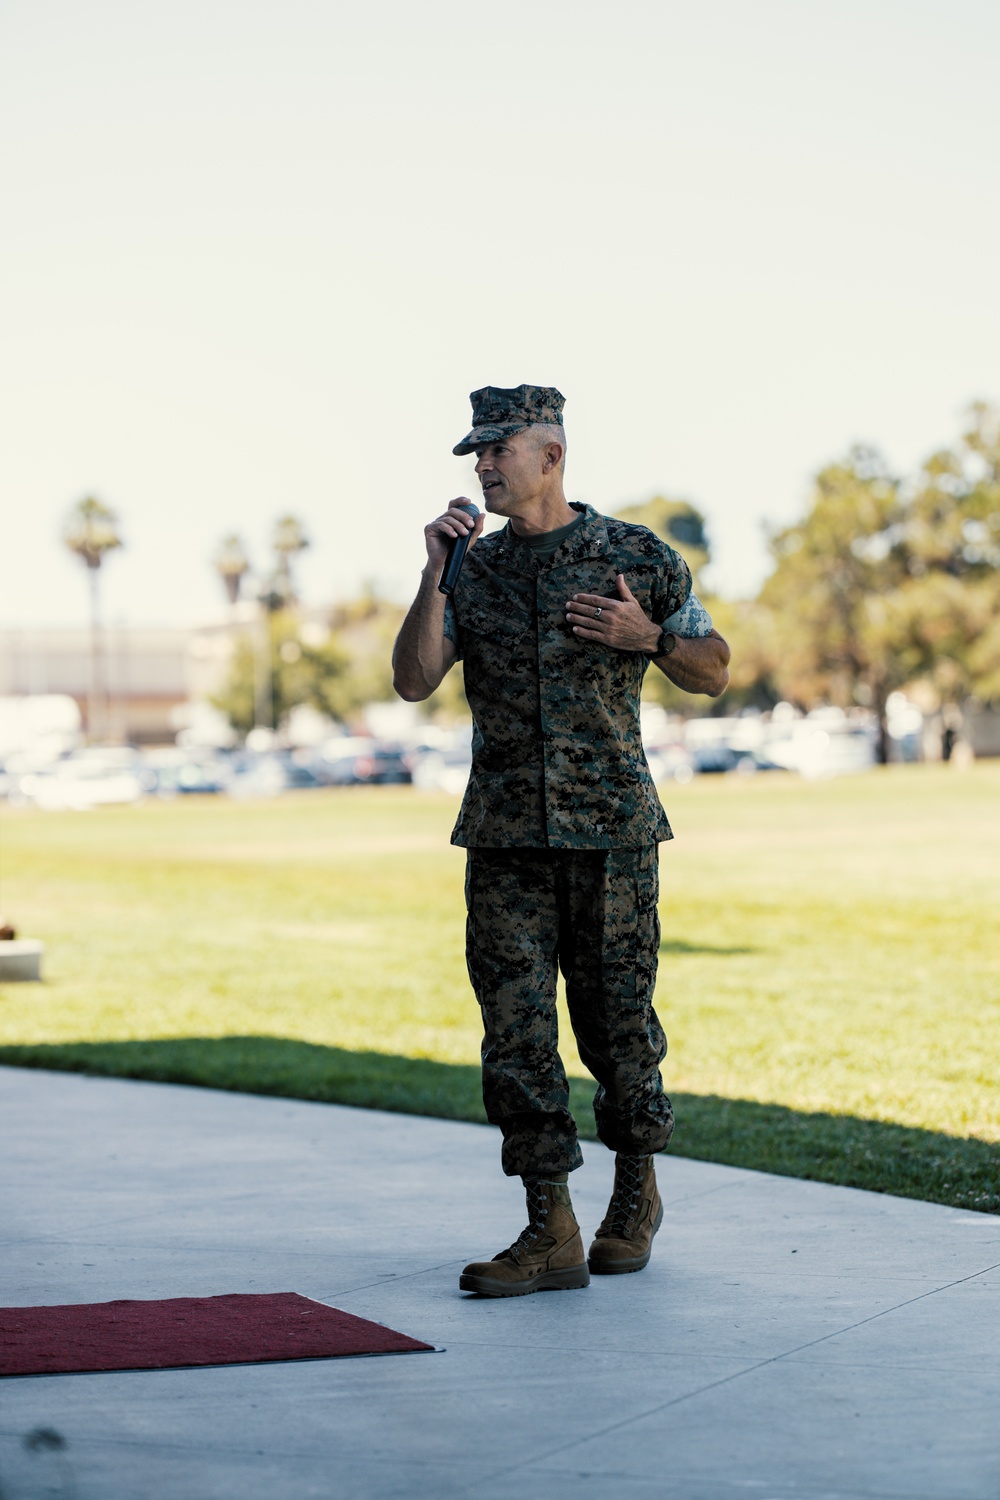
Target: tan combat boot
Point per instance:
(625, 1238)
(546, 1256)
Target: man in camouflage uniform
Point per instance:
(557, 618)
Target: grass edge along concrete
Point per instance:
(878, 1156)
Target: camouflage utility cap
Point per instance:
(497, 412)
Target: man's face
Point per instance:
(510, 472)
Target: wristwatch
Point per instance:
(664, 645)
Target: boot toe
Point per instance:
(481, 1277)
(548, 1256)
(616, 1257)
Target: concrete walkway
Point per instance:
(788, 1339)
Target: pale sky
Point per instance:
(256, 253)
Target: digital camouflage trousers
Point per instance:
(593, 914)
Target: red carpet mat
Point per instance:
(230, 1330)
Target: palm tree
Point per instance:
(90, 533)
(288, 539)
(232, 564)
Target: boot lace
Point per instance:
(626, 1197)
(537, 1215)
(538, 1206)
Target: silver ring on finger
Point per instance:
(597, 613)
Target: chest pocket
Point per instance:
(491, 639)
(495, 615)
(639, 582)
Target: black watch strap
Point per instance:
(664, 645)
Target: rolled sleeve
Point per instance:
(691, 620)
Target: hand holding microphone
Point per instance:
(458, 546)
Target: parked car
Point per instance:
(300, 771)
(669, 763)
(336, 759)
(385, 766)
(90, 778)
(267, 775)
(443, 770)
(816, 749)
(357, 761)
(190, 778)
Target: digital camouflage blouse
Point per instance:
(557, 758)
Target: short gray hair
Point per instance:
(549, 432)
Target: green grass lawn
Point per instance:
(829, 979)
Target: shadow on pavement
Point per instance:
(882, 1157)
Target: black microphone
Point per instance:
(457, 549)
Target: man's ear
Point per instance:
(553, 456)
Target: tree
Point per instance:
(288, 540)
(751, 632)
(953, 542)
(276, 595)
(954, 514)
(297, 672)
(885, 583)
(840, 624)
(90, 533)
(232, 564)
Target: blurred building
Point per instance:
(155, 677)
(151, 674)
